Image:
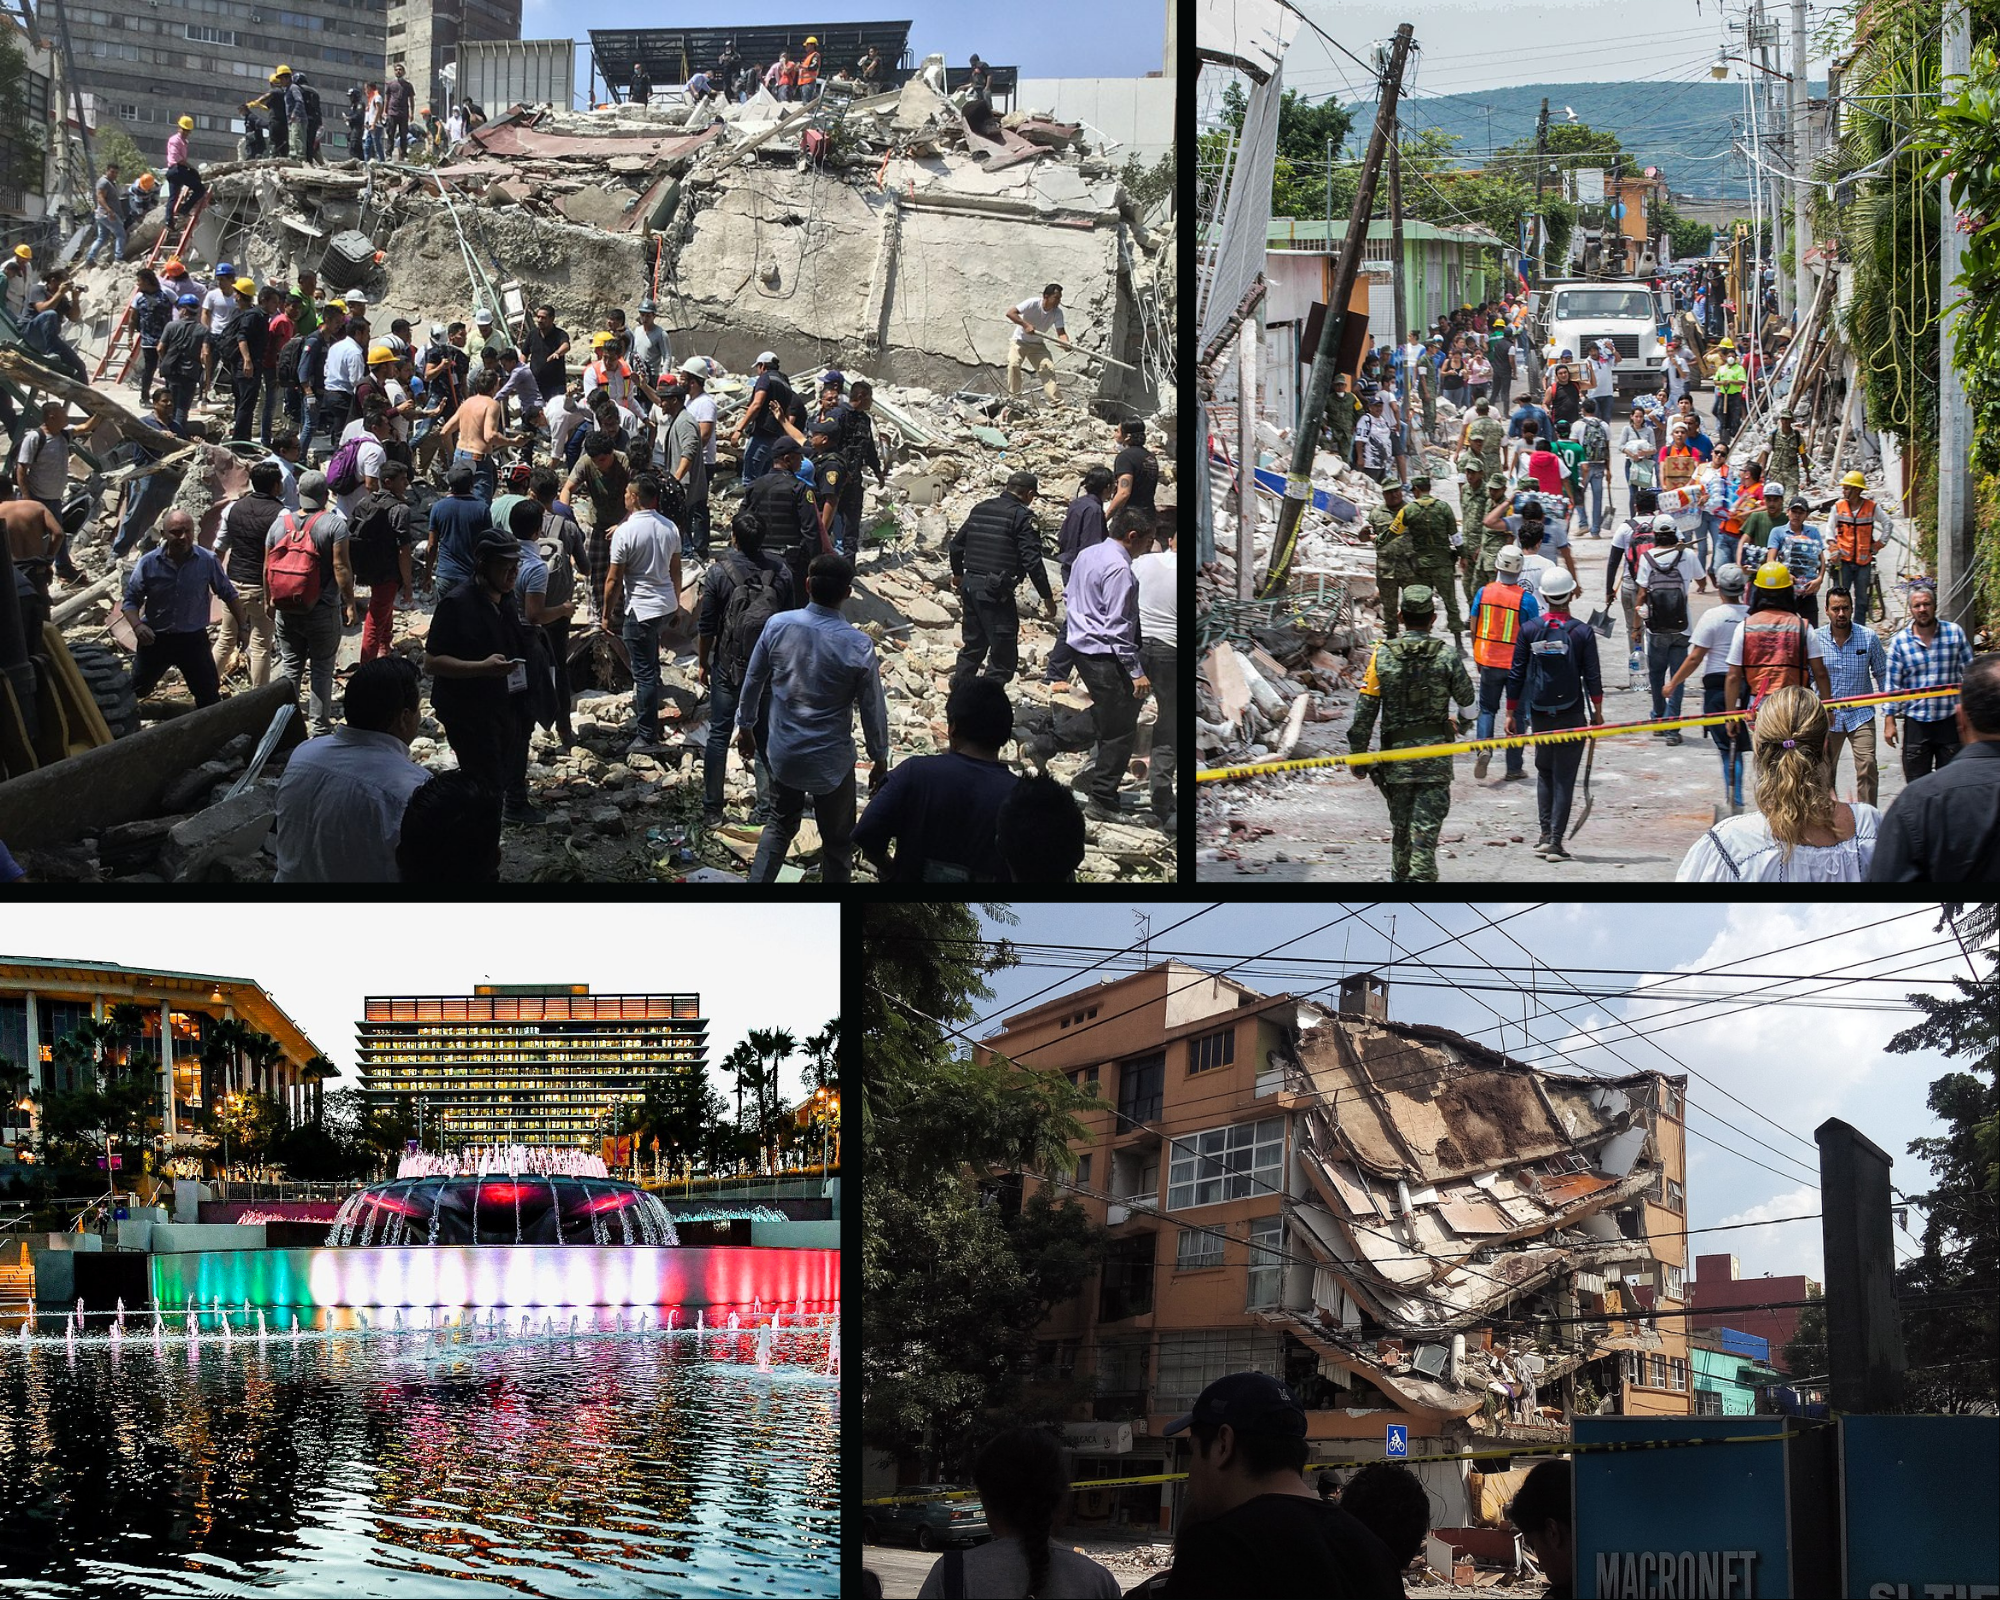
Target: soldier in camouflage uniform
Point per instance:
(1412, 683)
(1486, 435)
(1491, 541)
(1341, 411)
(1395, 553)
(1427, 387)
(1471, 508)
(1433, 532)
(1781, 456)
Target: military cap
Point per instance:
(1418, 600)
(1423, 478)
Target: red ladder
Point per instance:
(125, 318)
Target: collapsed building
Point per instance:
(1409, 1227)
(883, 236)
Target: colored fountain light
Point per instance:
(448, 1209)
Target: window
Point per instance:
(1212, 1050)
(1670, 1101)
(1084, 1078)
(1139, 1089)
(1267, 1242)
(1676, 1283)
(202, 34)
(1708, 1402)
(1676, 1196)
(1127, 1287)
(1083, 1172)
(1190, 1362)
(1226, 1164)
(1199, 1247)
(1656, 1366)
(1678, 1373)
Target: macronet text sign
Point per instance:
(1917, 1498)
(1709, 1520)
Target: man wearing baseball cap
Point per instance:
(1251, 1524)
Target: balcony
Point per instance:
(1118, 1405)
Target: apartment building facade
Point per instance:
(1407, 1226)
(424, 35)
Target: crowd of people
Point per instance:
(1253, 1524)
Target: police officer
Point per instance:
(1555, 671)
(1412, 683)
(1433, 533)
(994, 549)
(1395, 552)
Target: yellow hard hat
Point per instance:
(187, 124)
(380, 352)
(246, 286)
(281, 71)
(24, 252)
(1854, 480)
(336, 305)
(1774, 575)
(148, 181)
(1725, 344)
(811, 40)
(602, 340)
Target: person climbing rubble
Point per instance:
(1033, 319)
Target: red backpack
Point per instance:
(291, 566)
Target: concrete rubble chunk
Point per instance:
(222, 833)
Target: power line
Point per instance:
(1109, 956)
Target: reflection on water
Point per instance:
(420, 1463)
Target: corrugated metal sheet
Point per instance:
(500, 72)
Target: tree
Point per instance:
(773, 1046)
(1951, 1327)
(682, 1111)
(315, 1072)
(1804, 1358)
(1148, 185)
(742, 1065)
(957, 1271)
(23, 144)
(112, 143)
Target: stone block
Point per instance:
(192, 787)
(234, 828)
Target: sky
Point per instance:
(331, 956)
(1796, 1063)
(1044, 38)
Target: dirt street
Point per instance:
(1652, 800)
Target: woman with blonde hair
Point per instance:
(1799, 832)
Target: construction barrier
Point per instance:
(1422, 752)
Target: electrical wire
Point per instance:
(1019, 1005)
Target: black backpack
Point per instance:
(1666, 595)
(373, 544)
(752, 603)
(288, 359)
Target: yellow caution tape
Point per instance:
(1423, 752)
(1553, 1448)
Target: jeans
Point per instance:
(257, 615)
(149, 363)
(1927, 746)
(1114, 713)
(399, 136)
(485, 474)
(271, 397)
(1159, 660)
(42, 334)
(1862, 741)
(1555, 770)
(722, 699)
(1859, 578)
(308, 642)
(145, 500)
(757, 457)
(1492, 685)
(1664, 654)
(183, 390)
(833, 811)
(189, 652)
(697, 526)
(378, 628)
(1594, 484)
(111, 227)
(248, 384)
(1734, 747)
(183, 183)
(642, 640)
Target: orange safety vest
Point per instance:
(809, 68)
(1499, 620)
(1774, 652)
(1747, 501)
(1848, 521)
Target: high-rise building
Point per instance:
(537, 1064)
(148, 66)
(425, 35)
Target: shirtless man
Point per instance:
(479, 425)
(33, 538)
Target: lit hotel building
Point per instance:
(537, 1064)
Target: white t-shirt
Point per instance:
(1603, 377)
(1815, 651)
(371, 459)
(1713, 633)
(703, 410)
(1532, 568)
(1158, 587)
(1651, 568)
(645, 545)
(1037, 319)
(1000, 1567)
(397, 395)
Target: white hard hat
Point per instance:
(1558, 585)
(1509, 559)
(1666, 524)
(768, 359)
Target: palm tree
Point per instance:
(774, 1046)
(741, 1063)
(265, 1055)
(221, 1050)
(316, 1072)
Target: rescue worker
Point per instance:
(809, 70)
(1471, 512)
(1855, 542)
(140, 196)
(1500, 607)
(1780, 460)
(1412, 683)
(1395, 553)
(1555, 672)
(1773, 647)
(1433, 534)
(1730, 381)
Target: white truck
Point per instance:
(1574, 316)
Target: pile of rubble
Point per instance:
(888, 246)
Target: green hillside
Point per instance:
(1685, 129)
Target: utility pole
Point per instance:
(1396, 268)
(1801, 162)
(1329, 191)
(1954, 531)
(1333, 329)
(1541, 172)
(1246, 451)
(1864, 1330)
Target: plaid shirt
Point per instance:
(1861, 666)
(1915, 665)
